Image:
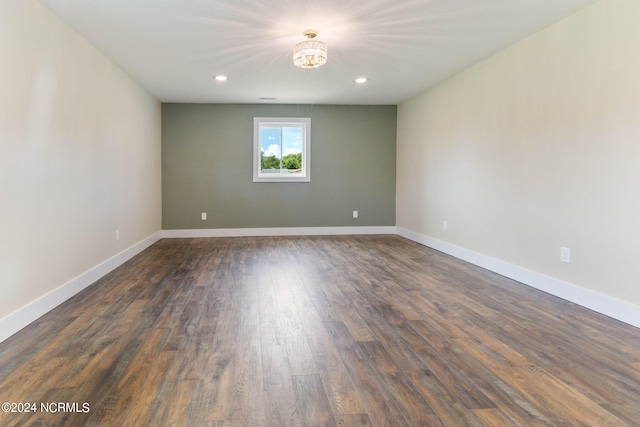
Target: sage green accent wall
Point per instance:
(207, 165)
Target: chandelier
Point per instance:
(310, 53)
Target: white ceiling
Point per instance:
(174, 47)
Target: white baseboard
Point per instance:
(604, 304)
(283, 231)
(612, 307)
(22, 317)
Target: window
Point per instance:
(281, 149)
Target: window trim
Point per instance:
(306, 148)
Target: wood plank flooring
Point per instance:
(318, 331)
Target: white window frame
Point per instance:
(305, 175)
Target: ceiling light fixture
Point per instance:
(221, 78)
(361, 80)
(310, 53)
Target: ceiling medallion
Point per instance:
(310, 53)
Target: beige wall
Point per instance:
(79, 156)
(536, 148)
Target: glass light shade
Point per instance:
(310, 54)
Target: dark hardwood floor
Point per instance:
(318, 331)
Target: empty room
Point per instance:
(334, 213)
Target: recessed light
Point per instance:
(362, 80)
(221, 78)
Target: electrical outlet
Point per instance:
(565, 255)
(117, 235)
(355, 214)
(203, 216)
(445, 225)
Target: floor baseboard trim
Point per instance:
(603, 304)
(609, 306)
(282, 231)
(22, 317)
